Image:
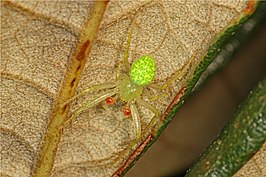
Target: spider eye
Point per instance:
(143, 70)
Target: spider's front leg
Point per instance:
(136, 119)
(92, 102)
(137, 126)
(93, 88)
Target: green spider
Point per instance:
(131, 84)
(128, 86)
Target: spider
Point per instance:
(129, 86)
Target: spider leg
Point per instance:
(90, 104)
(152, 96)
(90, 89)
(184, 70)
(153, 109)
(136, 120)
(126, 54)
(180, 73)
(137, 125)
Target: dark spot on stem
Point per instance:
(64, 108)
(73, 82)
(78, 68)
(82, 51)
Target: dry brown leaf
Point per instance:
(38, 42)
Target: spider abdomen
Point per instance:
(143, 70)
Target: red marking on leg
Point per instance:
(110, 100)
(126, 110)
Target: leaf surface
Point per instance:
(51, 51)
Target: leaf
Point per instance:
(243, 136)
(50, 52)
(255, 166)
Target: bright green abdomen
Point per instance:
(143, 70)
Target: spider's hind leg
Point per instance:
(152, 109)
